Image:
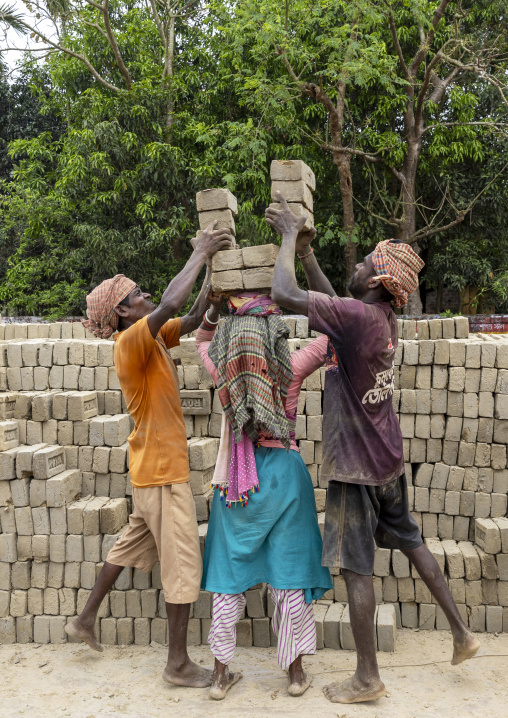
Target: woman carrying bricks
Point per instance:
(263, 525)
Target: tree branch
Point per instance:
(461, 214)
(309, 88)
(436, 230)
(158, 23)
(440, 85)
(424, 47)
(391, 222)
(114, 45)
(398, 48)
(495, 125)
(429, 73)
(83, 58)
(370, 157)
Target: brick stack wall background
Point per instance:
(65, 492)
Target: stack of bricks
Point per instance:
(234, 269)
(247, 269)
(251, 268)
(65, 490)
(296, 182)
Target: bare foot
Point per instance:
(464, 648)
(354, 691)
(189, 674)
(299, 683)
(222, 682)
(76, 629)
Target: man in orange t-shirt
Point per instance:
(163, 524)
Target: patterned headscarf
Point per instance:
(397, 266)
(101, 302)
(252, 303)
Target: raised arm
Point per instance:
(180, 287)
(192, 319)
(285, 289)
(316, 279)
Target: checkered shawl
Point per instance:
(251, 355)
(101, 302)
(397, 266)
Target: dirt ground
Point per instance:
(71, 680)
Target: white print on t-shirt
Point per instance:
(383, 388)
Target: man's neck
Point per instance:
(374, 296)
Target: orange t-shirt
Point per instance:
(149, 381)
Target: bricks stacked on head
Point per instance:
(249, 269)
(221, 205)
(296, 182)
(218, 205)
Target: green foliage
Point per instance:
(101, 180)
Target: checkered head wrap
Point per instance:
(101, 302)
(397, 266)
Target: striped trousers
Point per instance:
(292, 622)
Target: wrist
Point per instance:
(199, 252)
(212, 313)
(290, 236)
(210, 321)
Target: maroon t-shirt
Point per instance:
(362, 441)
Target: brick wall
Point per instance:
(65, 492)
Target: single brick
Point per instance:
(82, 405)
(331, 626)
(116, 429)
(197, 402)
(9, 435)
(257, 278)
(292, 171)
(63, 488)
(487, 535)
(48, 462)
(113, 516)
(295, 191)
(263, 255)
(217, 198)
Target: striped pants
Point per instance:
(292, 623)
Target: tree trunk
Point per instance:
(408, 226)
(168, 73)
(343, 164)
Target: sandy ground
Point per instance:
(71, 680)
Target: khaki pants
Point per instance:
(163, 527)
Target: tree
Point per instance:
(115, 192)
(25, 112)
(391, 83)
(164, 99)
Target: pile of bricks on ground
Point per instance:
(65, 492)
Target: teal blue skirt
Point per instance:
(274, 539)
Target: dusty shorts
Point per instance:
(358, 517)
(163, 528)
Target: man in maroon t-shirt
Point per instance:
(363, 460)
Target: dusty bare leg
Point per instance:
(299, 680)
(82, 627)
(222, 680)
(179, 668)
(465, 644)
(365, 684)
